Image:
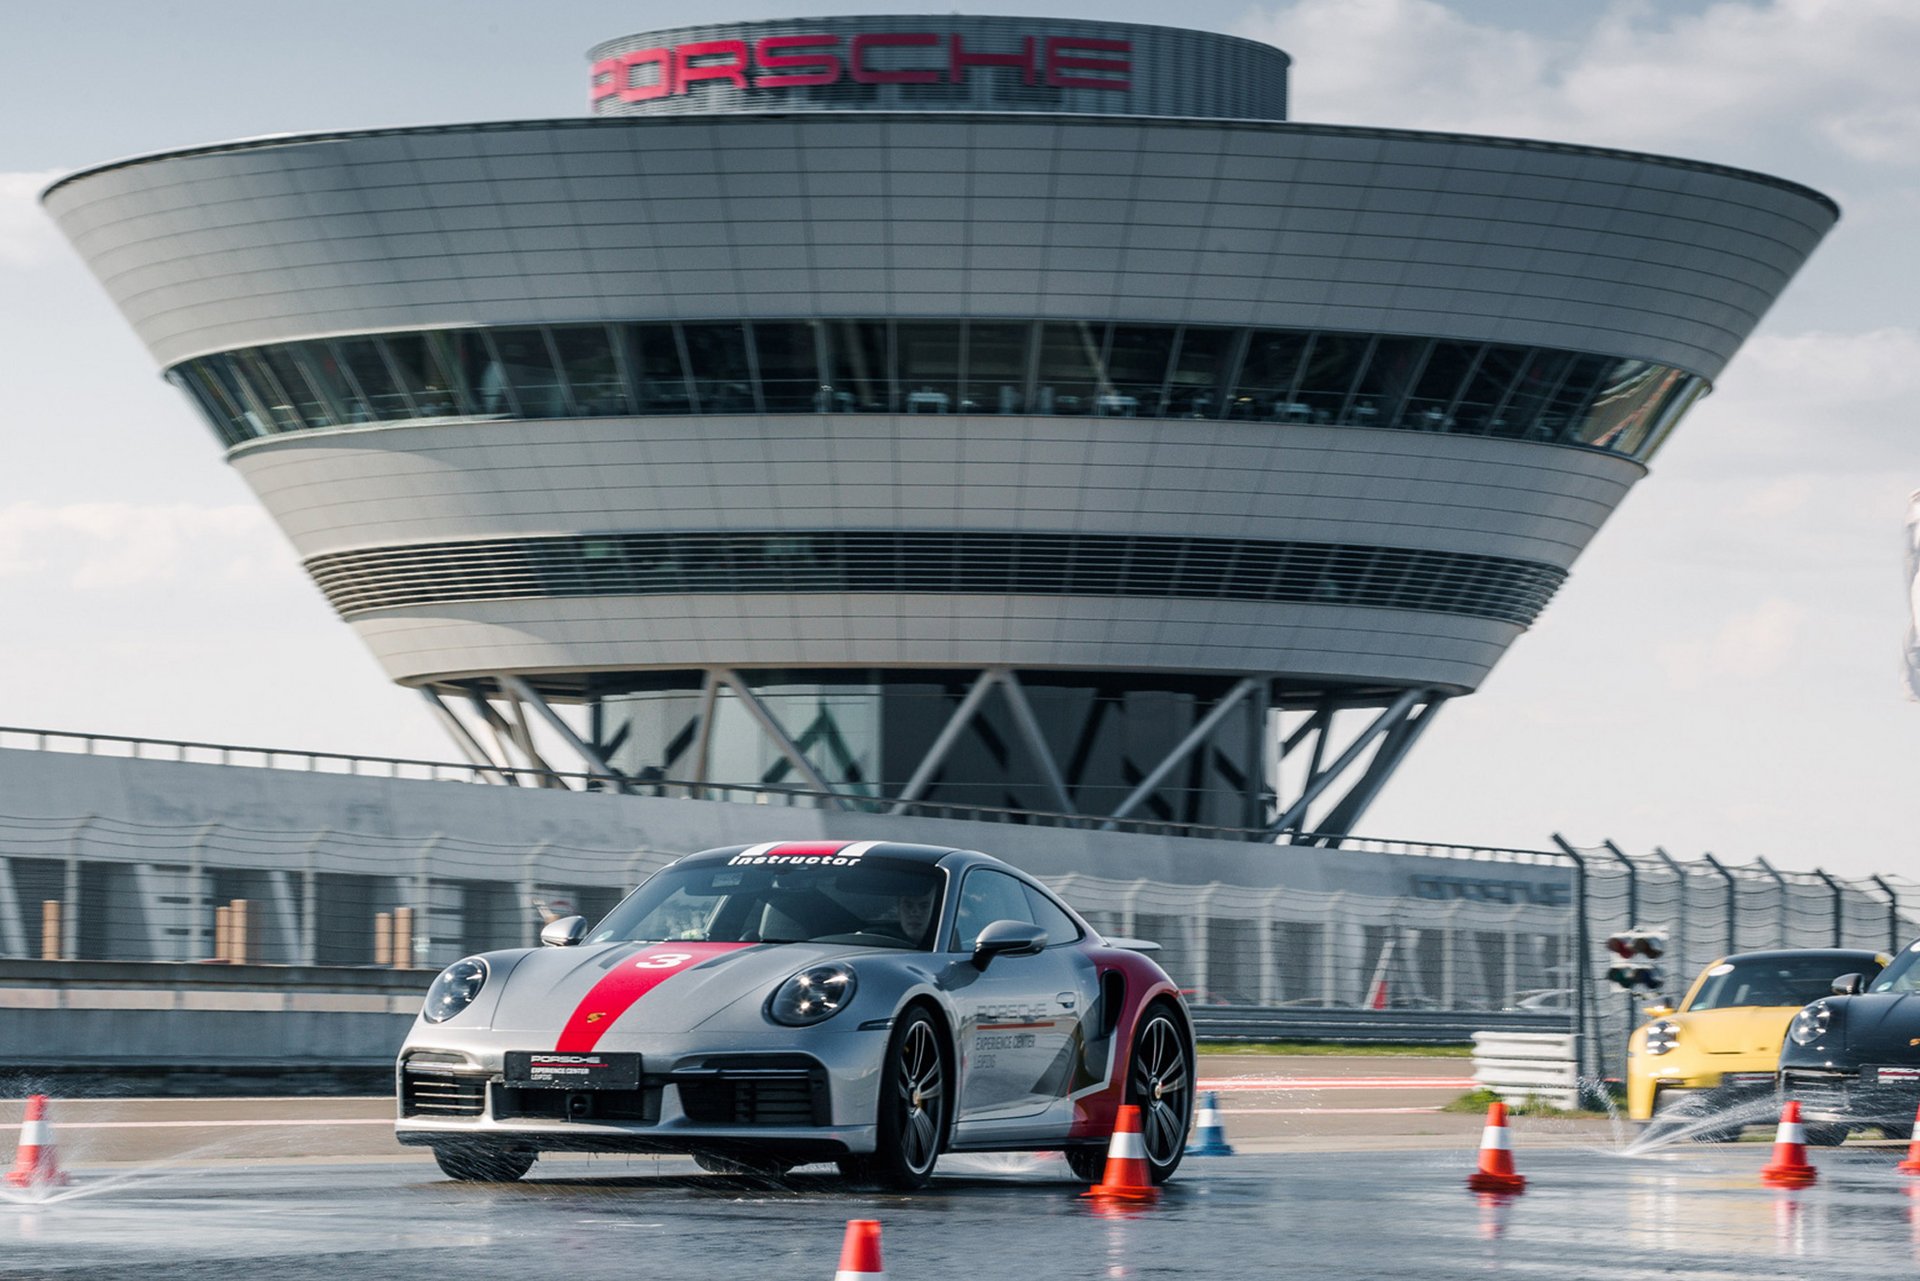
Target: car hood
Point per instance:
(647, 987)
(1881, 1027)
(1744, 1029)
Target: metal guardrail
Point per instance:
(1254, 1023)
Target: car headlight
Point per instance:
(1810, 1024)
(455, 989)
(1662, 1036)
(812, 996)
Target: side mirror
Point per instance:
(1849, 985)
(1007, 938)
(565, 932)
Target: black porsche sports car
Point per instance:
(1853, 1058)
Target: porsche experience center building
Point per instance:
(959, 416)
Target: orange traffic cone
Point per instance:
(1912, 1164)
(1126, 1177)
(1496, 1156)
(1789, 1167)
(860, 1252)
(36, 1165)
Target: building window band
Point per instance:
(1055, 368)
(936, 562)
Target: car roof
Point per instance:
(1782, 953)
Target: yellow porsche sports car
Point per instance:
(1725, 1035)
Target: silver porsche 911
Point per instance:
(766, 1006)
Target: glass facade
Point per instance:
(1055, 368)
(941, 562)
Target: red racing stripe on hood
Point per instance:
(634, 977)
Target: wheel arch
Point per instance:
(942, 1018)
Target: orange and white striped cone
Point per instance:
(1126, 1177)
(860, 1252)
(1789, 1167)
(1912, 1164)
(1496, 1156)
(36, 1164)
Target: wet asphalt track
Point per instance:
(1695, 1212)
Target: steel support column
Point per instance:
(1339, 824)
(1183, 749)
(1029, 727)
(778, 736)
(462, 736)
(943, 743)
(703, 734)
(528, 696)
(1315, 785)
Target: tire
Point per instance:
(911, 1115)
(1087, 1164)
(1826, 1136)
(752, 1167)
(471, 1164)
(1900, 1131)
(1160, 1077)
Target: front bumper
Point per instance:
(1651, 1079)
(799, 1105)
(1855, 1096)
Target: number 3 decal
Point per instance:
(663, 961)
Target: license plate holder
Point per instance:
(560, 1070)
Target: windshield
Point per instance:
(1777, 981)
(1902, 976)
(875, 902)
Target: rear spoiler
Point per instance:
(1135, 945)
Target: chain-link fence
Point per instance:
(1709, 908)
(1442, 928)
(1471, 930)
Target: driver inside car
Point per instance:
(913, 913)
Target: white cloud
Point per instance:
(124, 546)
(1746, 647)
(27, 234)
(1830, 73)
(1814, 402)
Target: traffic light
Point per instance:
(1628, 944)
(1637, 949)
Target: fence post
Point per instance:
(1586, 1014)
(1633, 923)
(1839, 905)
(1269, 962)
(423, 908)
(310, 901)
(200, 895)
(1681, 934)
(1893, 914)
(1780, 884)
(529, 932)
(1733, 904)
(1200, 943)
(1329, 952)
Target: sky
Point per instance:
(1720, 673)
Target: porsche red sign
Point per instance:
(902, 58)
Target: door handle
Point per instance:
(1065, 1000)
